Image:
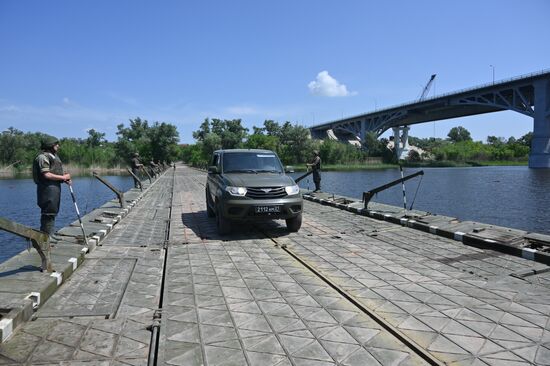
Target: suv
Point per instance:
(250, 185)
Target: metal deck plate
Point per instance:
(96, 290)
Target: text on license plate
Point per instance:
(267, 209)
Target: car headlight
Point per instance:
(236, 191)
(290, 190)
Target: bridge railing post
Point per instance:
(148, 175)
(136, 178)
(40, 241)
(119, 194)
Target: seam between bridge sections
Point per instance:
(154, 343)
(465, 238)
(421, 352)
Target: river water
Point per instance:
(18, 203)
(516, 197)
(510, 196)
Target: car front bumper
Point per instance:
(246, 209)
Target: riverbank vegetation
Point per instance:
(294, 147)
(459, 148)
(157, 141)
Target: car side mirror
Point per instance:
(289, 169)
(213, 169)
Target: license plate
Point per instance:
(267, 209)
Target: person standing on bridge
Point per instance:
(47, 173)
(136, 165)
(315, 165)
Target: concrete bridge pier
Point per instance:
(401, 141)
(540, 145)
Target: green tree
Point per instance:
(164, 139)
(12, 144)
(211, 143)
(495, 141)
(261, 141)
(374, 146)
(192, 154)
(233, 134)
(133, 139)
(272, 128)
(95, 138)
(157, 141)
(203, 130)
(526, 139)
(296, 144)
(458, 134)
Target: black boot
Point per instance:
(47, 224)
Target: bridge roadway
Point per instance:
(346, 290)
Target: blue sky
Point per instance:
(68, 66)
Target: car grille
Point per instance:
(263, 193)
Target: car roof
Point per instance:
(229, 151)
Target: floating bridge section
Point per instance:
(354, 287)
(526, 94)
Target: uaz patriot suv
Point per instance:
(248, 185)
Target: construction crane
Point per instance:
(427, 88)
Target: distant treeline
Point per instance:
(290, 141)
(293, 145)
(158, 141)
(460, 147)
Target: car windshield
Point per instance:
(247, 162)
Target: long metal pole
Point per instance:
(78, 214)
(403, 184)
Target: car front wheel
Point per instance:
(294, 224)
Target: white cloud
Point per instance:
(66, 101)
(328, 86)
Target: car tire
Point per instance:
(294, 224)
(209, 211)
(222, 223)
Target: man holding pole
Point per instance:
(136, 165)
(315, 165)
(48, 175)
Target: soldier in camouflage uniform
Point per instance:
(48, 175)
(315, 165)
(136, 166)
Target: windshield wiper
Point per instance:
(268, 171)
(241, 171)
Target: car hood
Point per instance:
(258, 180)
